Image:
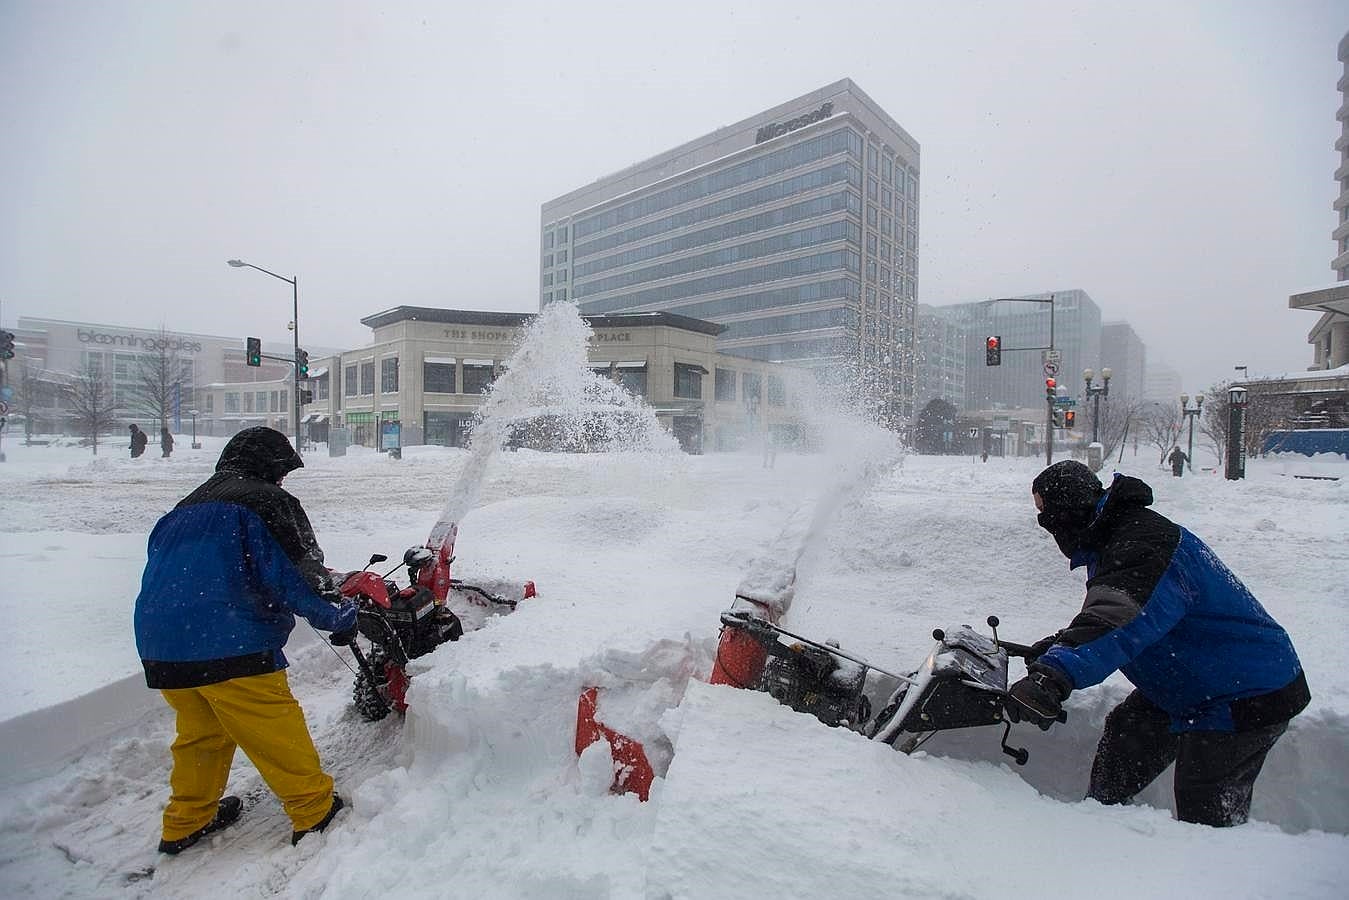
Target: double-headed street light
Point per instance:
(1191, 413)
(1096, 393)
(294, 282)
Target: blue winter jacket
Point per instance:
(228, 568)
(1164, 610)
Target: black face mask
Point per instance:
(1068, 526)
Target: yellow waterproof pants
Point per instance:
(259, 714)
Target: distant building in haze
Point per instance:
(1019, 382)
(941, 359)
(1162, 384)
(1124, 353)
(796, 228)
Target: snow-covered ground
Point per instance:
(478, 791)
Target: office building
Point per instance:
(1125, 355)
(940, 359)
(1162, 384)
(796, 229)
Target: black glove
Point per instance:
(343, 638)
(345, 632)
(1038, 698)
(1040, 647)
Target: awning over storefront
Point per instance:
(315, 419)
(631, 364)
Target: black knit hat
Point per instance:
(1068, 485)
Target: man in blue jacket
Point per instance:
(1216, 678)
(229, 568)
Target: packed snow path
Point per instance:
(479, 792)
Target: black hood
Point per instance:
(1070, 493)
(261, 452)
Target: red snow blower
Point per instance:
(403, 623)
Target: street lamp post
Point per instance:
(1096, 393)
(193, 414)
(294, 282)
(1191, 413)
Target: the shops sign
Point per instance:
(778, 129)
(137, 341)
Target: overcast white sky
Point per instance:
(1172, 159)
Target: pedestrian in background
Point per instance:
(166, 442)
(1177, 459)
(138, 441)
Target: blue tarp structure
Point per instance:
(1308, 441)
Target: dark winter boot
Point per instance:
(337, 805)
(226, 814)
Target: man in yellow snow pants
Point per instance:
(258, 714)
(228, 569)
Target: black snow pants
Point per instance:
(1215, 770)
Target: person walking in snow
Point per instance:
(138, 441)
(165, 443)
(229, 568)
(1177, 459)
(1216, 678)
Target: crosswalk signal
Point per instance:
(1059, 419)
(301, 364)
(1069, 418)
(993, 350)
(306, 397)
(254, 355)
(6, 345)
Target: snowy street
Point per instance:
(478, 792)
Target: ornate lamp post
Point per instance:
(1191, 414)
(1096, 393)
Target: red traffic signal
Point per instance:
(993, 350)
(1069, 418)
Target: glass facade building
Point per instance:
(1019, 382)
(796, 228)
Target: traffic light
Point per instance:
(1069, 418)
(6, 345)
(1059, 419)
(993, 350)
(254, 356)
(302, 364)
(306, 396)
(1051, 387)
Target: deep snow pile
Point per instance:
(479, 792)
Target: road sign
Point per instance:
(1051, 369)
(1051, 356)
(974, 432)
(4, 408)
(1064, 401)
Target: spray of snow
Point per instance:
(548, 383)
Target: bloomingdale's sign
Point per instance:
(778, 129)
(136, 340)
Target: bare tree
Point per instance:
(1116, 421)
(1159, 426)
(159, 373)
(91, 402)
(29, 393)
(1213, 420)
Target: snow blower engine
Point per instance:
(403, 623)
(961, 684)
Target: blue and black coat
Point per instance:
(1164, 610)
(228, 569)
